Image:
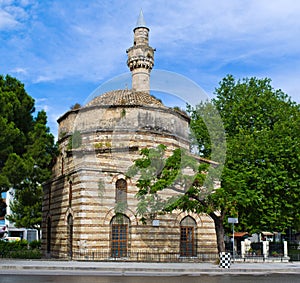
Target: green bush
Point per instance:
(13, 246)
(20, 249)
(36, 244)
(26, 254)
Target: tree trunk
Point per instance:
(219, 231)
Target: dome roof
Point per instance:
(125, 97)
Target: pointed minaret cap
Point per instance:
(140, 22)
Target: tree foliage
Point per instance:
(260, 179)
(262, 170)
(16, 109)
(27, 207)
(27, 151)
(157, 171)
(2, 208)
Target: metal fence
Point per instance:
(275, 249)
(256, 249)
(294, 252)
(142, 256)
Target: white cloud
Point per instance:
(6, 2)
(19, 70)
(42, 78)
(14, 13)
(17, 12)
(42, 104)
(7, 21)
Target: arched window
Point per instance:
(187, 237)
(70, 236)
(48, 235)
(119, 235)
(121, 191)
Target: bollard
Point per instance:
(225, 260)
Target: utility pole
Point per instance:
(233, 221)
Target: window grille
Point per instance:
(119, 236)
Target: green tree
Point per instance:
(16, 108)
(27, 207)
(27, 151)
(262, 170)
(38, 159)
(260, 180)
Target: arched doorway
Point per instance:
(187, 237)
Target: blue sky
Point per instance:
(62, 50)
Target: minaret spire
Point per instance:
(141, 21)
(141, 56)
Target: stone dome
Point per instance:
(125, 97)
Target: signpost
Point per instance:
(233, 221)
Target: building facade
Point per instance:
(89, 206)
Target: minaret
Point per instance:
(140, 57)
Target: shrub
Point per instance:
(26, 254)
(19, 249)
(36, 244)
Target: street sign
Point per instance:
(233, 220)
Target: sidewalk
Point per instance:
(137, 268)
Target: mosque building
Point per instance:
(98, 142)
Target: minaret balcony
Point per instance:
(140, 62)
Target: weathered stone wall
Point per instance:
(92, 209)
(84, 178)
(133, 119)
